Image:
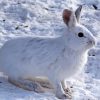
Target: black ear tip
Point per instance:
(95, 7)
(77, 12)
(80, 7)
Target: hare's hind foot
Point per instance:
(44, 82)
(27, 85)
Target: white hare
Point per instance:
(54, 57)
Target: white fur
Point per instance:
(56, 58)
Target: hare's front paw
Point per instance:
(63, 91)
(60, 92)
(68, 89)
(68, 92)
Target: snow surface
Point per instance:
(43, 17)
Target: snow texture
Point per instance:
(43, 17)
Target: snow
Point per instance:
(43, 17)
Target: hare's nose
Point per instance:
(93, 42)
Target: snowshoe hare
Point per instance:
(54, 57)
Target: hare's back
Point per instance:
(29, 49)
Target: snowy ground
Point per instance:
(43, 17)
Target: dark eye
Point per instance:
(80, 34)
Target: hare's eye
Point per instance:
(80, 34)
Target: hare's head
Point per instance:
(78, 36)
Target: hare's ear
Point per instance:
(69, 18)
(78, 12)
